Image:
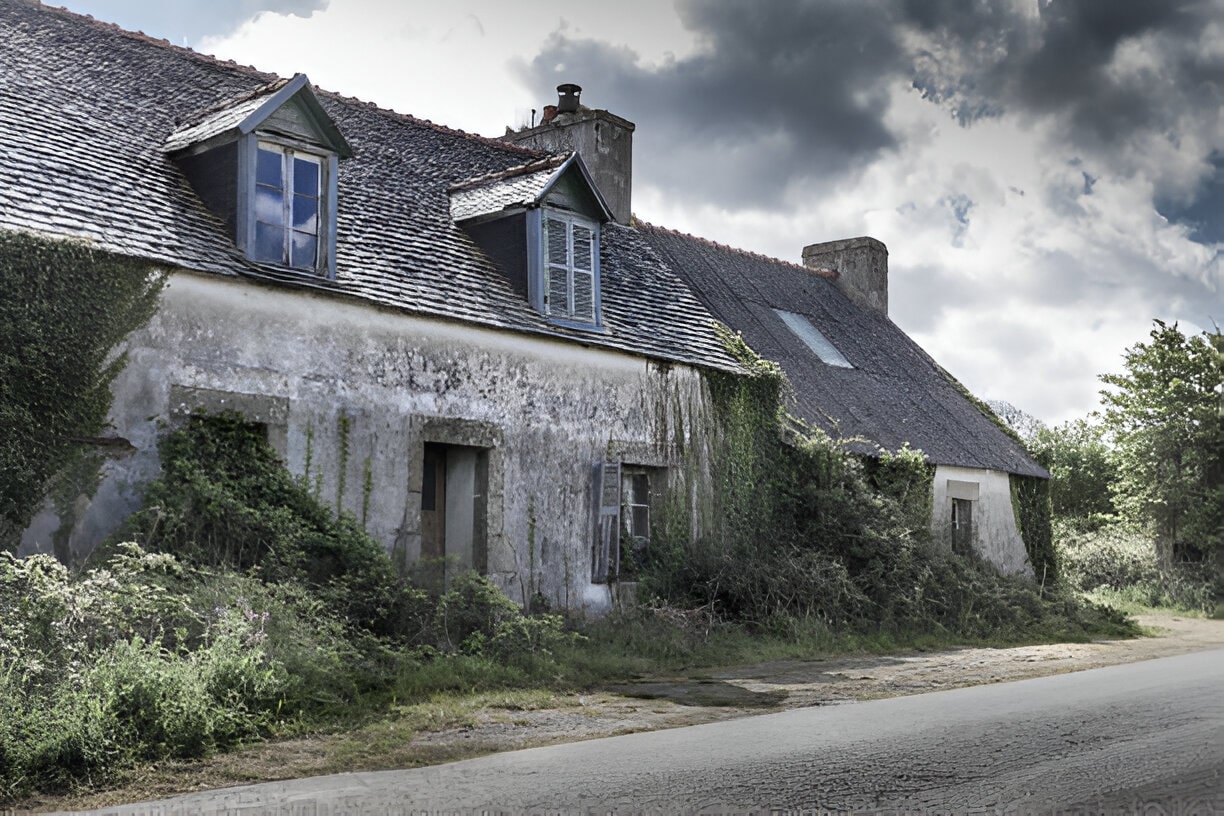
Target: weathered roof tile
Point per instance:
(85, 151)
(895, 393)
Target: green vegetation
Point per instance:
(240, 607)
(64, 307)
(806, 541)
(1165, 416)
(246, 609)
(1138, 489)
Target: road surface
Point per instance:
(1141, 738)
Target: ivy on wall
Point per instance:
(1031, 504)
(64, 307)
(794, 526)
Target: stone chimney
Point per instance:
(858, 265)
(604, 140)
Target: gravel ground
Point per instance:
(789, 684)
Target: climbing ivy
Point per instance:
(1031, 505)
(64, 307)
(799, 531)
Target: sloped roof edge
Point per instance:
(274, 96)
(479, 197)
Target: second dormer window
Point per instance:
(570, 251)
(288, 202)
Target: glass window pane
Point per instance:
(305, 177)
(269, 243)
(269, 206)
(268, 168)
(558, 242)
(558, 292)
(584, 296)
(582, 247)
(304, 251)
(306, 214)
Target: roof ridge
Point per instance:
(725, 247)
(271, 78)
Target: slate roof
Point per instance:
(227, 119)
(895, 393)
(506, 190)
(86, 110)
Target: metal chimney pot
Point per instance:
(567, 97)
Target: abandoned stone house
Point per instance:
(462, 341)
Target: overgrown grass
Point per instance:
(1115, 565)
(259, 613)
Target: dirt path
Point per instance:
(651, 705)
(788, 684)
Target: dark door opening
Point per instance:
(454, 502)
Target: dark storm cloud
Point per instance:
(780, 93)
(794, 93)
(1203, 210)
(190, 20)
(987, 59)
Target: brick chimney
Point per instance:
(859, 266)
(604, 140)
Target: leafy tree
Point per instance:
(1166, 419)
(1082, 471)
(64, 307)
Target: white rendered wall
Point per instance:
(997, 539)
(329, 375)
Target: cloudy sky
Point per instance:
(1048, 175)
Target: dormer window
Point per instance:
(288, 206)
(571, 246)
(539, 223)
(266, 165)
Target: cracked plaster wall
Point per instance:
(350, 395)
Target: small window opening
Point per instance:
(962, 525)
(624, 497)
(635, 522)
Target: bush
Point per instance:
(225, 499)
(1119, 562)
(115, 666)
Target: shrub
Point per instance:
(225, 499)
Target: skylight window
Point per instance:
(813, 339)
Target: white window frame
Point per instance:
(325, 236)
(544, 269)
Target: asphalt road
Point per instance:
(1140, 738)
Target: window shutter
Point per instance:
(605, 555)
(556, 288)
(584, 273)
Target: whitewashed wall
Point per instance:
(996, 536)
(312, 366)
